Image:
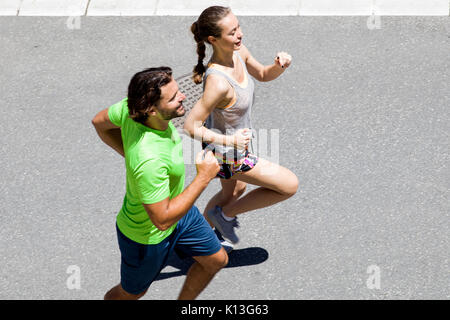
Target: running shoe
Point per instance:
(225, 244)
(226, 228)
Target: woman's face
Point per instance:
(231, 37)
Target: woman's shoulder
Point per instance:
(217, 82)
(243, 52)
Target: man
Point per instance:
(157, 216)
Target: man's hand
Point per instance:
(207, 165)
(168, 211)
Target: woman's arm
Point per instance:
(265, 73)
(216, 90)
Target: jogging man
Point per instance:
(157, 216)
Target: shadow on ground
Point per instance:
(236, 258)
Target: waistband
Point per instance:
(225, 158)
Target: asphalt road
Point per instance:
(362, 118)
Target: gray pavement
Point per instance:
(363, 119)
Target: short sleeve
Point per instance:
(118, 113)
(152, 179)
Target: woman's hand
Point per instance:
(242, 138)
(283, 60)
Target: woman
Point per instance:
(225, 106)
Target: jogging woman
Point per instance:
(221, 120)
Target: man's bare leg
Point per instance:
(118, 293)
(201, 273)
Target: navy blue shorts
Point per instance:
(142, 263)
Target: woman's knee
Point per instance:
(290, 185)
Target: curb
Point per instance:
(240, 7)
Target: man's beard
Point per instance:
(172, 114)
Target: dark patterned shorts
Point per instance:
(229, 168)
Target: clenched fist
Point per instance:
(207, 164)
(283, 59)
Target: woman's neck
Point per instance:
(223, 58)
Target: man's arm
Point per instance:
(108, 132)
(168, 211)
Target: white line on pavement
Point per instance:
(240, 7)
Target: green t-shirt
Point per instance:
(154, 169)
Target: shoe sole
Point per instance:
(227, 248)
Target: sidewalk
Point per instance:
(240, 7)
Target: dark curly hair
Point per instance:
(144, 91)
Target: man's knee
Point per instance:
(140, 295)
(221, 260)
(118, 293)
(216, 261)
(224, 260)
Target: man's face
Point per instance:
(171, 102)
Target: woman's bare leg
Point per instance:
(276, 184)
(231, 191)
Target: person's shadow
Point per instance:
(236, 258)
